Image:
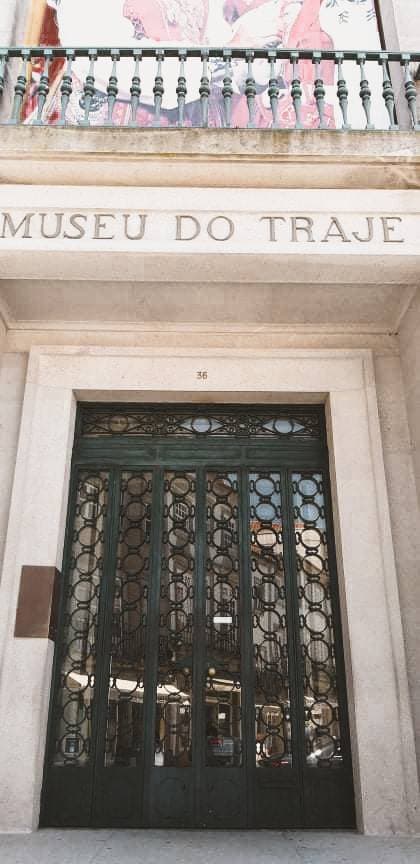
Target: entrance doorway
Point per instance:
(199, 678)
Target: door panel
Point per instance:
(69, 775)
(170, 793)
(121, 728)
(199, 675)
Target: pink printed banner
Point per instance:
(326, 24)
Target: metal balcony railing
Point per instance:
(202, 87)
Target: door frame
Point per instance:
(373, 637)
(303, 794)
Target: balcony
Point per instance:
(175, 88)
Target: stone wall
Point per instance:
(410, 358)
(12, 382)
(403, 504)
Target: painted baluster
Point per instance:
(66, 88)
(44, 88)
(319, 89)
(250, 90)
(365, 92)
(204, 90)
(227, 90)
(135, 89)
(410, 91)
(342, 91)
(20, 89)
(296, 89)
(89, 88)
(112, 89)
(3, 61)
(181, 90)
(158, 89)
(387, 92)
(273, 89)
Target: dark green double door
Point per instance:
(198, 673)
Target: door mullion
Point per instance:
(247, 652)
(296, 684)
(199, 645)
(337, 624)
(152, 638)
(104, 633)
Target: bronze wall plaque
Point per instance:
(37, 609)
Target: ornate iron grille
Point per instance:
(78, 645)
(124, 733)
(176, 622)
(200, 624)
(316, 624)
(202, 421)
(272, 696)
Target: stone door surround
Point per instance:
(386, 784)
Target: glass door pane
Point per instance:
(223, 686)
(173, 730)
(272, 698)
(124, 742)
(316, 626)
(78, 648)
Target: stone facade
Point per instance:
(273, 316)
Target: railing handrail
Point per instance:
(200, 51)
(230, 81)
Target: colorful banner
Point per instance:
(327, 24)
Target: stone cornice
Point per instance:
(210, 157)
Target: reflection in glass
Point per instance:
(124, 732)
(223, 712)
(78, 642)
(174, 688)
(322, 726)
(272, 699)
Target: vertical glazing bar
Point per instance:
(20, 89)
(44, 88)
(250, 90)
(158, 89)
(66, 88)
(223, 623)
(135, 89)
(227, 88)
(296, 89)
(365, 92)
(89, 88)
(247, 643)
(198, 749)
(410, 91)
(342, 91)
(173, 736)
(181, 90)
(112, 89)
(152, 642)
(387, 92)
(204, 90)
(78, 652)
(319, 89)
(273, 89)
(271, 735)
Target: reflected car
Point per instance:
(329, 752)
(276, 760)
(222, 750)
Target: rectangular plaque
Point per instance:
(37, 608)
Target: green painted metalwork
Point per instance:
(365, 60)
(194, 616)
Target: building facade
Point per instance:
(210, 401)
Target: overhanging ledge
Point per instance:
(210, 157)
